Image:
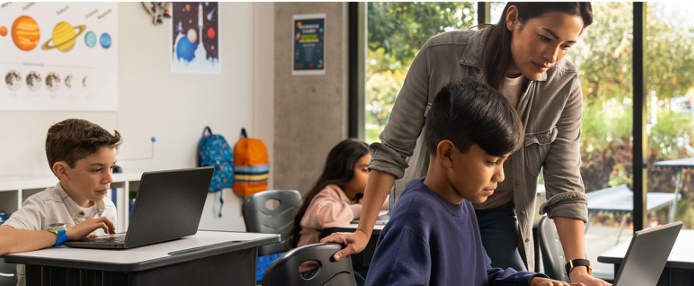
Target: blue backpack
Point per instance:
(214, 150)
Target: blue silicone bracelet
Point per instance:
(62, 237)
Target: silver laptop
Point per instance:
(168, 206)
(647, 255)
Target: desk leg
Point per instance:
(673, 209)
(621, 227)
(590, 216)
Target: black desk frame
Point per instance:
(221, 264)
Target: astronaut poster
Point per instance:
(195, 38)
(59, 56)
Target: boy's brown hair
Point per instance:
(73, 139)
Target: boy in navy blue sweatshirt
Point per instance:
(432, 237)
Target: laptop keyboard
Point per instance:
(110, 239)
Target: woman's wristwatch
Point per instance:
(60, 230)
(578, 262)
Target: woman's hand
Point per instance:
(354, 242)
(542, 281)
(580, 275)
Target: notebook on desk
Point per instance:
(168, 206)
(647, 255)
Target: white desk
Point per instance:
(209, 258)
(679, 269)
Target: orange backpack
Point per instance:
(251, 166)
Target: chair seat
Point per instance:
(285, 270)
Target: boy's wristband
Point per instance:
(60, 230)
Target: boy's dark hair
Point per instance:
(469, 112)
(338, 170)
(73, 139)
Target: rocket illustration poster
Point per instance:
(59, 56)
(195, 38)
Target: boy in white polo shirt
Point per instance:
(81, 154)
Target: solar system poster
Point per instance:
(195, 38)
(59, 56)
(308, 45)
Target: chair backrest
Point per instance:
(552, 253)
(285, 270)
(8, 273)
(276, 219)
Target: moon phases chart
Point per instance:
(195, 38)
(59, 56)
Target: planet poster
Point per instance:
(195, 38)
(59, 56)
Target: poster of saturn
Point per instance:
(59, 56)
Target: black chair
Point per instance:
(552, 253)
(278, 220)
(285, 270)
(8, 273)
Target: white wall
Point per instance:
(174, 108)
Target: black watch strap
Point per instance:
(578, 262)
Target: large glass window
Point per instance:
(604, 60)
(670, 121)
(396, 32)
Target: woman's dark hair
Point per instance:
(338, 170)
(497, 51)
(469, 112)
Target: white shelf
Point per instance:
(14, 190)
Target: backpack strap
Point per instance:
(243, 133)
(208, 130)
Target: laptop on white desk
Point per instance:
(647, 255)
(168, 206)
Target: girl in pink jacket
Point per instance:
(335, 199)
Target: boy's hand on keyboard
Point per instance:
(88, 226)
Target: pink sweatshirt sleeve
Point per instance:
(330, 208)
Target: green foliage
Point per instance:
(401, 28)
(396, 32)
(670, 58)
(604, 53)
(382, 88)
(671, 137)
(372, 133)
